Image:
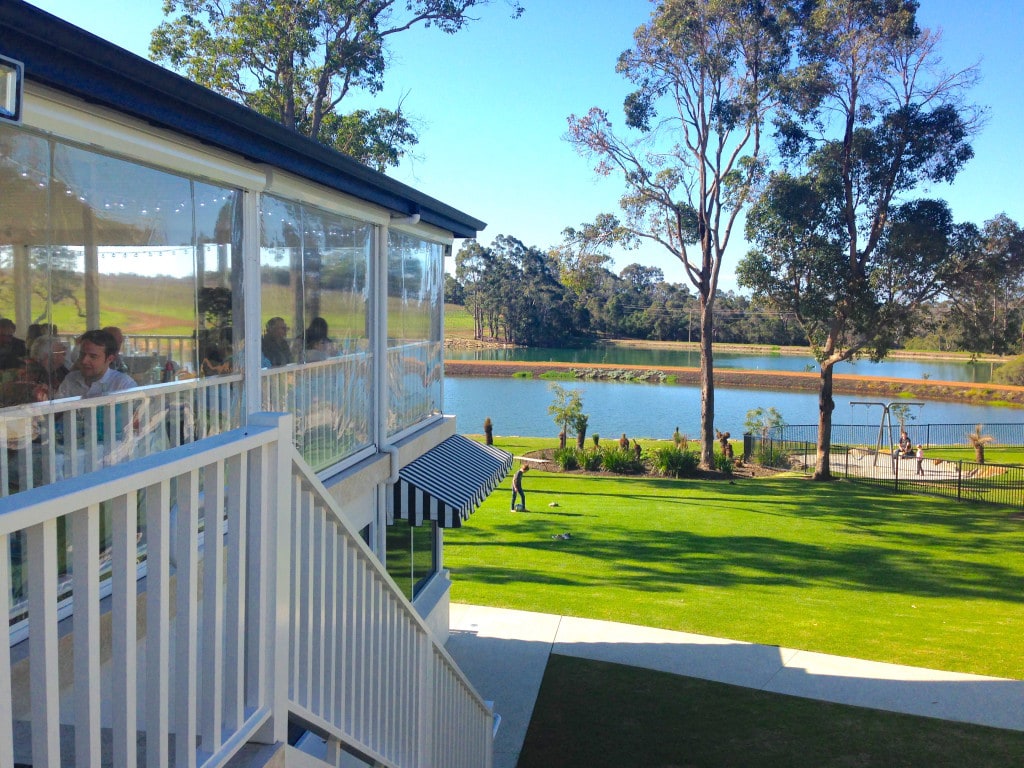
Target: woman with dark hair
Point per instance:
(318, 343)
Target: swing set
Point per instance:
(884, 423)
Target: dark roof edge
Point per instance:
(68, 59)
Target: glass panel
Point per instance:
(315, 265)
(411, 555)
(415, 296)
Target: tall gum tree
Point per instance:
(705, 73)
(295, 61)
(838, 242)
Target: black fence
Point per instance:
(923, 434)
(963, 480)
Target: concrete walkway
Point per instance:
(504, 653)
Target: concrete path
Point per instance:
(504, 653)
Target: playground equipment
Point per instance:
(885, 422)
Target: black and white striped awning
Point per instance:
(449, 481)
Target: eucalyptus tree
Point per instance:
(705, 73)
(986, 308)
(840, 241)
(296, 61)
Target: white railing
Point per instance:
(365, 669)
(49, 441)
(198, 665)
(332, 402)
(260, 601)
(414, 383)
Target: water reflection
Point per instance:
(519, 407)
(936, 370)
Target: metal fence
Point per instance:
(924, 434)
(963, 480)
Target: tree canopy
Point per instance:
(707, 75)
(840, 239)
(296, 61)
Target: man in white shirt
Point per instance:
(93, 375)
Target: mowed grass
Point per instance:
(591, 714)
(839, 567)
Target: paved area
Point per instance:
(504, 653)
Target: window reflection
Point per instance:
(315, 282)
(415, 349)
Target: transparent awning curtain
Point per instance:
(449, 481)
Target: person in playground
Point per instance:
(517, 487)
(905, 445)
(920, 459)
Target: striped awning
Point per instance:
(449, 481)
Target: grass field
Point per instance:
(591, 714)
(839, 568)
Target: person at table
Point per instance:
(119, 364)
(45, 368)
(13, 351)
(275, 344)
(93, 376)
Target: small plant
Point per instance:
(671, 461)
(770, 456)
(593, 460)
(978, 442)
(621, 461)
(567, 458)
(723, 463)
(597, 440)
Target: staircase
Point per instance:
(215, 596)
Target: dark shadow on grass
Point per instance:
(719, 703)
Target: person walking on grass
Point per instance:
(517, 487)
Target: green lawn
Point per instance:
(591, 714)
(838, 568)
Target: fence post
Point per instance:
(896, 472)
(748, 446)
(959, 478)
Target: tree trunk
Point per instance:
(826, 404)
(707, 387)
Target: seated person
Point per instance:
(318, 343)
(93, 375)
(44, 370)
(905, 446)
(12, 350)
(276, 350)
(119, 363)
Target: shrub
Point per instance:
(671, 461)
(593, 460)
(621, 461)
(1010, 372)
(567, 458)
(768, 455)
(723, 463)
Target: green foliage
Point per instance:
(557, 376)
(295, 62)
(768, 455)
(592, 460)
(672, 461)
(759, 421)
(1010, 372)
(568, 458)
(567, 407)
(522, 375)
(621, 461)
(723, 464)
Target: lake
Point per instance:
(936, 370)
(520, 407)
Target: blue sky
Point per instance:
(491, 102)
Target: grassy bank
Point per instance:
(839, 568)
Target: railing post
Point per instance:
(425, 705)
(959, 478)
(273, 546)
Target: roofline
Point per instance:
(69, 59)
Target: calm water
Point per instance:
(895, 369)
(520, 407)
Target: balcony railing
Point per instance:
(278, 609)
(415, 372)
(332, 402)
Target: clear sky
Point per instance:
(490, 106)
